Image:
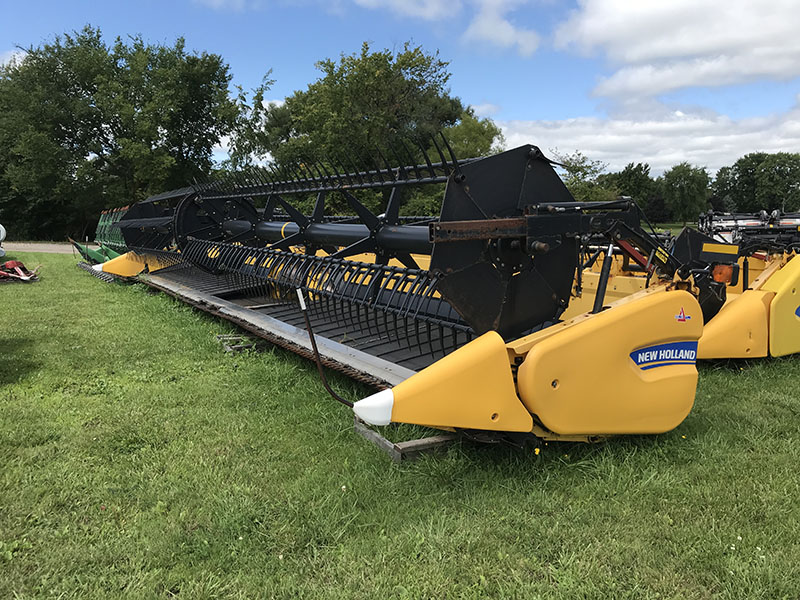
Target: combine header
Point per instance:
(762, 315)
(462, 318)
(108, 238)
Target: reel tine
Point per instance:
(341, 172)
(370, 171)
(277, 176)
(413, 160)
(283, 179)
(400, 170)
(442, 157)
(314, 168)
(328, 176)
(389, 171)
(357, 171)
(456, 166)
(308, 174)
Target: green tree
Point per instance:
(583, 177)
(744, 182)
(354, 113)
(723, 190)
(658, 211)
(84, 127)
(778, 182)
(686, 191)
(474, 136)
(759, 181)
(633, 181)
(49, 125)
(359, 101)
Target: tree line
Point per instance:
(757, 181)
(87, 125)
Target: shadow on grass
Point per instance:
(620, 446)
(16, 360)
(736, 365)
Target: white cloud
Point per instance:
(423, 9)
(714, 71)
(664, 140)
(491, 25)
(487, 109)
(663, 46)
(11, 55)
(221, 151)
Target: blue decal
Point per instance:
(797, 312)
(662, 355)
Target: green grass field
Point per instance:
(674, 228)
(139, 460)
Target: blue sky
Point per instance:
(622, 81)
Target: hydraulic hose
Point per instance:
(317, 358)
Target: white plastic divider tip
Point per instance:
(376, 409)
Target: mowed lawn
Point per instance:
(138, 460)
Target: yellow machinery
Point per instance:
(131, 264)
(470, 320)
(628, 369)
(761, 315)
(763, 320)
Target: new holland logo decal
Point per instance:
(663, 355)
(682, 317)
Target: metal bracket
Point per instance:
(401, 451)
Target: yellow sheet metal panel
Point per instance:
(620, 285)
(127, 265)
(784, 312)
(740, 329)
(721, 248)
(756, 267)
(629, 369)
(470, 388)
(155, 264)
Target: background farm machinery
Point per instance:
(499, 318)
(13, 270)
(761, 314)
(107, 237)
